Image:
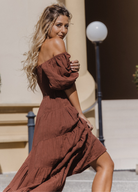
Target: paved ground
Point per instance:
(123, 181)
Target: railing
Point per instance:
(89, 108)
(31, 126)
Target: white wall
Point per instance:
(17, 18)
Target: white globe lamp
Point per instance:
(96, 31)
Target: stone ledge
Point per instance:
(17, 107)
(13, 138)
(14, 122)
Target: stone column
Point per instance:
(76, 46)
(76, 39)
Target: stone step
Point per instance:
(13, 133)
(13, 117)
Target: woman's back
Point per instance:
(50, 48)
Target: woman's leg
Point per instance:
(104, 167)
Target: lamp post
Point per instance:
(96, 33)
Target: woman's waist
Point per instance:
(53, 94)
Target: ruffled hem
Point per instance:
(51, 161)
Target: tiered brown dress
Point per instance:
(63, 144)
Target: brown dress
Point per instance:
(63, 144)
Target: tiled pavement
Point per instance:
(123, 181)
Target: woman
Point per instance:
(63, 143)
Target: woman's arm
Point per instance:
(59, 47)
(73, 97)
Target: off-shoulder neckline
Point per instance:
(52, 58)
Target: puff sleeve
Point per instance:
(59, 72)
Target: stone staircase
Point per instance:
(13, 135)
(120, 129)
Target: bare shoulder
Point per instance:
(58, 46)
(50, 48)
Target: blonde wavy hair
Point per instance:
(42, 29)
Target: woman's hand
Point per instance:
(75, 65)
(88, 122)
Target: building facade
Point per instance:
(118, 59)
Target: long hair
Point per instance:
(42, 28)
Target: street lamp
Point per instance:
(96, 33)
